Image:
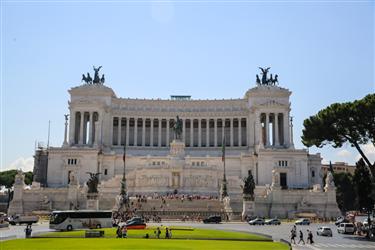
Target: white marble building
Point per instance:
(257, 130)
(258, 137)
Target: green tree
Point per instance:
(363, 187)
(339, 123)
(249, 186)
(345, 192)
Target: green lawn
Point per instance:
(163, 244)
(183, 238)
(177, 233)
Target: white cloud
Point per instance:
(26, 164)
(369, 151)
(344, 153)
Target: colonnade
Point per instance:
(196, 132)
(274, 129)
(84, 128)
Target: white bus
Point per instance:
(79, 219)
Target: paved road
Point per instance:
(337, 242)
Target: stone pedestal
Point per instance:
(248, 208)
(16, 205)
(92, 202)
(177, 148)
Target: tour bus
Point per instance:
(79, 219)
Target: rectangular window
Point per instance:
(105, 171)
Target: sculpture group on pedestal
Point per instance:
(97, 80)
(265, 80)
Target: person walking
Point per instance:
(301, 237)
(292, 236)
(124, 232)
(118, 232)
(310, 236)
(166, 233)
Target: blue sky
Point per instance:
(322, 51)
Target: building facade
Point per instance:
(256, 130)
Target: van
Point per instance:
(344, 228)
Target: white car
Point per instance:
(345, 228)
(324, 231)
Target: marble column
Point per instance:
(276, 123)
(135, 131)
(247, 131)
(143, 131)
(286, 129)
(231, 132)
(199, 132)
(152, 133)
(167, 138)
(239, 133)
(191, 132)
(81, 128)
(91, 119)
(127, 131)
(72, 128)
(207, 132)
(183, 130)
(119, 132)
(223, 131)
(159, 132)
(215, 132)
(267, 129)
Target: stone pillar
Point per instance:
(215, 132)
(276, 123)
(286, 129)
(91, 119)
(97, 133)
(223, 131)
(231, 132)
(127, 131)
(247, 131)
(152, 133)
(207, 132)
(199, 132)
(72, 127)
(135, 131)
(291, 132)
(167, 138)
(191, 132)
(183, 131)
(65, 143)
(81, 128)
(119, 132)
(143, 131)
(239, 133)
(159, 133)
(267, 129)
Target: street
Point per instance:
(338, 241)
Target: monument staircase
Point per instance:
(177, 208)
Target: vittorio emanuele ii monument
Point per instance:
(256, 130)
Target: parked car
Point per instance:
(23, 219)
(135, 223)
(324, 231)
(341, 220)
(212, 219)
(302, 221)
(272, 222)
(345, 228)
(257, 221)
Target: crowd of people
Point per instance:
(293, 236)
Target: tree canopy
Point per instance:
(339, 123)
(7, 178)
